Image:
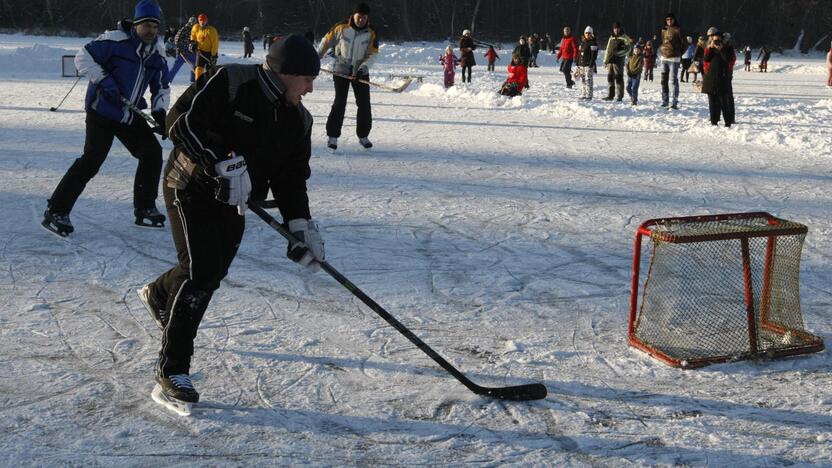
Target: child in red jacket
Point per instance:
(518, 78)
(491, 56)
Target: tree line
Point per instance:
(776, 23)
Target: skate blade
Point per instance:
(181, 408)
(54, 230)
(331, 150)
(150, 225)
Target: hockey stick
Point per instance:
(397, 89)
(53, 109)
(535, 391)
(153, 124)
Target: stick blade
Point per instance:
(403, 86)
(526, 392)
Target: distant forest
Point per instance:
(776, 23)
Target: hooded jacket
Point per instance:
(119, 59)
(355, 48)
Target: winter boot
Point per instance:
(365, 142)
(149, 217)
(57, 223)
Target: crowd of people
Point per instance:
(679, 59)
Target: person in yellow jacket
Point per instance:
(205, 42)
(354, 44)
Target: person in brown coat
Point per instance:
(671, 50)
(466, 50)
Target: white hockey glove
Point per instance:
(233, 183)
(310, 250)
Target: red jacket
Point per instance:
(491, 55)
(518, 74)
(568, 48)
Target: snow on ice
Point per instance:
(499, 230)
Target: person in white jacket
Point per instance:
(354, 44)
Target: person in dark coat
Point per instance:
(523, 51)
(466, 51)
(716, 81)
(243, 134)
(248, 45)
(764, 56)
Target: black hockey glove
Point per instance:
(310, 248)
(161, 127)
(213, 62)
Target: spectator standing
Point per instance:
(634, 65)
(687, 60)
(671, 56)
(615, 57)
(649, 55)
(449, 63)
(566, 54)
(466, 51)
(587, 55)
(716, 82)
(248, 45)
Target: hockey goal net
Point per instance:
(719, 288)
(68, 66)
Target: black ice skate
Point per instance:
(332, 144)
(157, 315)
(57, 223)
(149, 217)
(175, 393)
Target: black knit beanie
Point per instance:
(362, 8)
(293, 55)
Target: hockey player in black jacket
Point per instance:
(244, 132)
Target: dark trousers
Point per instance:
(685, 74)
(615, 78)
(364, 119)
(566, 68)
(491, 65)
(721, 103)
(139, 141)
(466, 67)
(206, 234)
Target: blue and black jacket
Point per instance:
(119, 59)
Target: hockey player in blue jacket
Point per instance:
(121, 65)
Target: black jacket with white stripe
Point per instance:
(241, 108)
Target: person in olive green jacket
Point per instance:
(618, 48)
(634, 65)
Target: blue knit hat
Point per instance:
(147, 10)
(293, 55)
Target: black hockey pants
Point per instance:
(364, 121)
(206, 234)
(139, 141)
